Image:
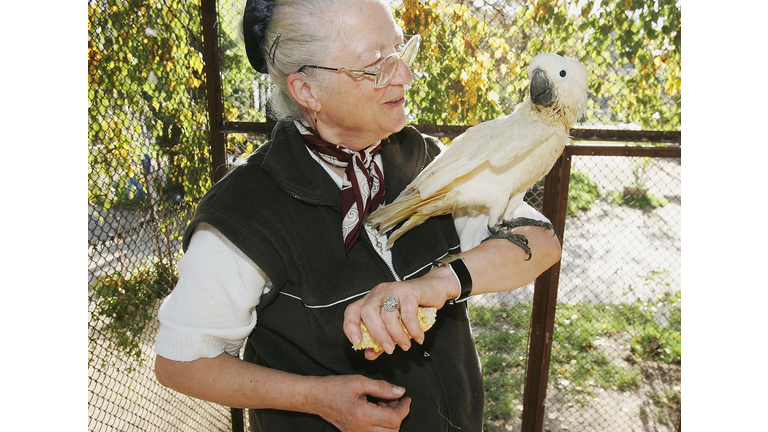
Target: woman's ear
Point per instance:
(302, 92)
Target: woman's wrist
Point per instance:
(460, 272)
(445, 283)
(311, 400)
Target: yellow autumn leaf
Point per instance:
(196, 64)
(672, 86)
(231, 113)
(471, 98)
(193, 82)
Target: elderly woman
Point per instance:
(283, 238)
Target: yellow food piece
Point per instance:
(427, 317)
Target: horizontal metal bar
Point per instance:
(454, 131)
(248, 127)
(626, 135)
(610, 150)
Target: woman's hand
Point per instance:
(384, 326)
(344, 402)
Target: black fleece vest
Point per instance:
(284, 212)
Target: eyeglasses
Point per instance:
(385, 71)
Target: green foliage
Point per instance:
(474, 58)
(124, 305)
(147, 146)
(655, 321)
(457, 75)
(664, 402)
(146, 96)
(646, 36)
(637, 196)
(582, 192)
(576, 363)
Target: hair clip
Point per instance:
(273, 49)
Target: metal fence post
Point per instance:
(213, 87)
(545, 302)
(214, 92)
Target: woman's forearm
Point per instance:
(499, 265)
(342, 400)
(494, 265)
(231, 382)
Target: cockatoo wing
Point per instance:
(498, 142)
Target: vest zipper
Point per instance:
(390, 266)
(426, 155)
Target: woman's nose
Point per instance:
(403, 76)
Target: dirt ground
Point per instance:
(614, 410)
(643, 409)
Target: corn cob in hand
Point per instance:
(427, 317)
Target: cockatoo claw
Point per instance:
(515, 238)
(502, 231)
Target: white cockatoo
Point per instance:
(489, 167)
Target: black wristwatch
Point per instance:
(461, 272)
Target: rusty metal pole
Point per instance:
(545, 302)
(212, 68)
(213, 87)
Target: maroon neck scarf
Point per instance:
(362, 188)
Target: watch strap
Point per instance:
(461, 272)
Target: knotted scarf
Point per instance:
(362, 188)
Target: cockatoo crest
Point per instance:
(488, 167)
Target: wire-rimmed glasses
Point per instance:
(385, 71)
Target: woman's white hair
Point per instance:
(310, 31)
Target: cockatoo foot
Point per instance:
(502, 231)
(515, 238)
(524, 221)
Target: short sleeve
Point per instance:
(212, 309)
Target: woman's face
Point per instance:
(352, 113)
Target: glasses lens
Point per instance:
(411, 49)
(388, 68)
(387, 71)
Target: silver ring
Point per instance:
(390, 304)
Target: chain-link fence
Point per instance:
(148, 165)
(616, 352)
(615, 362)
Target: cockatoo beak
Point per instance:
(542, 88)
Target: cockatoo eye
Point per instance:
(563, 73)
